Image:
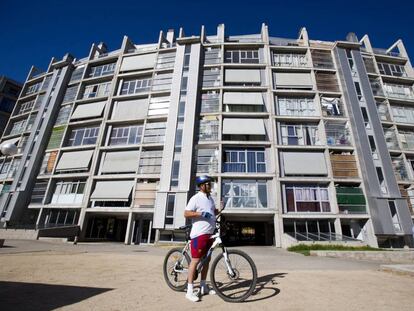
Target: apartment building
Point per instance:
(9, 92)
(308, 140)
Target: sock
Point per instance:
(190, 288)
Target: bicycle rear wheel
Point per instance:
(238, 287)
(175, 269)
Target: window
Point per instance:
(392, 70)
(162, 81)
(63, 115)
(310, 230)
(48, 163)
(242, 57)
(244, 160)
(68, 192)
(211, 77)
(30, 122)
(10, 168)
(165, 60)
(406, 138)
(291, 106)
(102, 70)
(351, 200)
(400, 170)
(56, 137)
(83, 136)
(97, 90)
(306, 198)
(399, 91)
(383, 111)
(299, 134)
(136, 86)
(391, 138)
(154, 132)
(31, 89)
(18, 127)
(70, 94)
(207, 160)
(169, 213)
(26, 107)
(212, 56)
(208, 129)
(39, 192)
(369, 64)
(381, 180)
(394, 215)
(245, 193)
(60, 217)
(126, 135)
(77, 73)
(337, 134)
(376, 86)
(289, 60)
(210, 102)
(150, 162)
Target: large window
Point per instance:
(212, 56)
(102, 70)
(295, 106)
(150, 162)
(207, 160)
(208, 130)
(290, 60)
(210, 102)
(245, 193)
(159, 106)
(244, 160)
(392, 70)
(162, 81)
(97, 90)
(169, 213)
(165, 60)
(154, 132)
(126, 135)
(310, 230)
(136, 86)
(299, 134)
(68, 192)
(31, 89)
(306, 198)
(18, 127)
(337, 134)
(83, 136)
(403, 114)
(211, 77)
(70, 93)
(399, 91)
(407, 139)
(242, 56)
(331, 107)
(26, 107)
(38, 192)
(77, 73)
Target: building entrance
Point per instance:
(106, 228)
(241, 233)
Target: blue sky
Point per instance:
(32, 32)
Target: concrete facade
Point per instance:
(307, 140)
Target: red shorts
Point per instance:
(200, 245)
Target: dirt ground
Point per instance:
(80, 278)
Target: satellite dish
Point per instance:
(8, 149)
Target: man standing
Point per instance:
(201, 210)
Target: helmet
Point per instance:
(203, 179)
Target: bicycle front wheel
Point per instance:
(239, 286)
(175, 269)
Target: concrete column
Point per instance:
(337, 225)
(128, 230)
(39, 217)
(277, 222)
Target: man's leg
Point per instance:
(190, 279)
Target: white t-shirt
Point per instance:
(201, 203)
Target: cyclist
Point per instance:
(201, 210)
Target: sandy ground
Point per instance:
(84, 278)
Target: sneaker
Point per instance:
(192, 297)
(205, 290)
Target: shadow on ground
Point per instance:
(266, 287)
(43, 297)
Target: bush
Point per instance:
(305, 249)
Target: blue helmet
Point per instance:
(203, 179)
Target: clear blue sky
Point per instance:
(34, 31)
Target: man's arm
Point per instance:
(191, 214)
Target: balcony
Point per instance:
(351, 200)
(337, 134)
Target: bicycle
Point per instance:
(233, 273)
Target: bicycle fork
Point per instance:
(230, 270)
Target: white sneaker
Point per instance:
(192, 297)
(205, 290)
